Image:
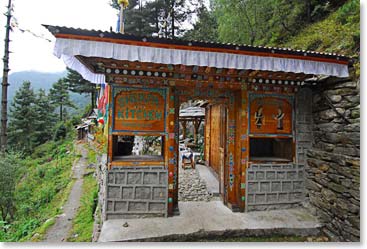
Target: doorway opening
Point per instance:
(203, 129)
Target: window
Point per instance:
(138, 148)
(271, 149)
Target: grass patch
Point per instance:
(43, 187)
(39, 234)
(82, 228)
(92, 155)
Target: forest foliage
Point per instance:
(35, 173)
(325, 26)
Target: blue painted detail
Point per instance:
(243, 149)
(171, 148)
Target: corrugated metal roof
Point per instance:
(55, 30)
(192, 111)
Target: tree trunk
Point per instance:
(5, 84)
(184, 129)
(173, 18)
(61, 112)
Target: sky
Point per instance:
(30, 53)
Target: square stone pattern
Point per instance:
(274, 186)
(136, 192)
(303, 127)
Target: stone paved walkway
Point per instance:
(59, 231)
(204, 219)
(191, 187)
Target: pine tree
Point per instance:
(45, 118)
(76, 83)
(205, 28)
(146, 18)
(22, 119)
(59, 96)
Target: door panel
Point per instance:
(216, 136)
(207, 135)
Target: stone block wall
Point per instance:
(333, 162)
(136, 192)
(274, 186)
(303, 124)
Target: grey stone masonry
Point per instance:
(304, 136)
(133, 192)
(333, 162)
(274, 186)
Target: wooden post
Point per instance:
(122, 25)
(184, 122)
(5, 84)
(197, 123)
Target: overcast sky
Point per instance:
(31, 53)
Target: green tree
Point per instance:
(267, 22)
(45, 118)
(151, 17)
(9, 164)
(76, 83)
(22, 119)
(206, 27)
(59, 96)
(137, 18)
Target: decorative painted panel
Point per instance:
(139, 109)
(270, 115)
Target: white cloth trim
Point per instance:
(67, 49)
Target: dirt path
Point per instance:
(59, 231)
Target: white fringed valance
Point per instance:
(67, 49)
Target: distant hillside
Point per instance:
(38, 80)
(42, 80)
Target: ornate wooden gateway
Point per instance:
(256, 122)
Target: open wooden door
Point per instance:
(215, 142)
(222, 151)
(207, 136)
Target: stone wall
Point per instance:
(133, 192)
(274, 186)
(303, 124)
(333, 163)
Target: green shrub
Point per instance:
(9, 166)
(44, 150)
(60, 132)
(349, 12)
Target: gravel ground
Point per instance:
(192, 187)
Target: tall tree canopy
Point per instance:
(76, 83)
(22, 119)
(60, 98)
(45, 118)
(267, 22)
(159, 17)
(205, 28)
